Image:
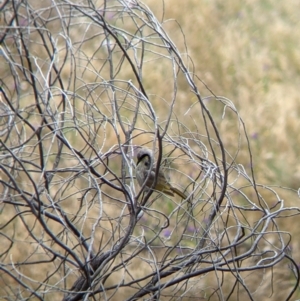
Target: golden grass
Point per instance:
(248, 52)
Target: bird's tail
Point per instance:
(178, 192)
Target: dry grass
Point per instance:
(248, 52)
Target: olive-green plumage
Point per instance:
(145, 157)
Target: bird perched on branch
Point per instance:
(145, 160)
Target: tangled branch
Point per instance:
(77, 98)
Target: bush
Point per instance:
(83, 86)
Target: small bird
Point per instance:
(145, 159)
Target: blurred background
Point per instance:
(248, 51)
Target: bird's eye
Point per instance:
(146, 163)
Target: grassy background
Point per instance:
(248, 51)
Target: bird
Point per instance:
(145, 159)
